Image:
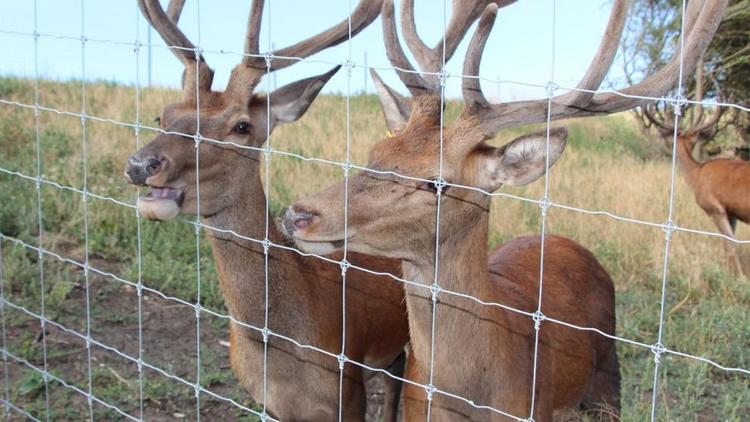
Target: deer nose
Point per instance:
(297, 219)
(140, 169)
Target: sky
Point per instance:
(520, 48)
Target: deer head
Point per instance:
(237, 115)
(394, 216)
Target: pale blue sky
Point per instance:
(519, 49)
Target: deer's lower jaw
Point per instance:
(319, 247)
(162, 204)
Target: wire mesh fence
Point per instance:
(133, 354)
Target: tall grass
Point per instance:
(606, 167)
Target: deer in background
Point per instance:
(485, 353)
(304, 294)
(721, 186)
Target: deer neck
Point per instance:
(462, 267)
(241, 263)
(688, 165)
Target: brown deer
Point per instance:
(721, 186)
(485, 353)
(304, 294)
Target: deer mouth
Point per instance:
(161, 203)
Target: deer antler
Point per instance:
(364, 14)
(465, 12)
(701, 21)
(431, 59)
(166, 25)
(253, 66)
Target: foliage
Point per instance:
(606, 167)
(653, 35)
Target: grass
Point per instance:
(606, 167)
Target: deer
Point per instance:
(720, 186)
(485, 354)
(304, 294)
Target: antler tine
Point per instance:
(709, 125)
(654, 116)
(701, 21)
(431, 59)
(167, 28)
(166, 25)
(698, 38)
(364, 14)
(174, 10)
(470, 86)
(413, 81)
(253, 32)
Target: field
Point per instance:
(607, 166)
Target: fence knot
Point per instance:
(198, 309)
(544, 204)
(443, 76)
(342, 360)
(198, 53)
(197, 139)
(678, 102)
(266, 245)
(538, 317)
(550, 88)
(349, 65)
(268, 57)
(263, 416)
(440, 184)
(345, 265)
(668, 228)
(429, 389)
(435, 289)
(267, 151)
(266, 333)
(347, 166)
(657, 349)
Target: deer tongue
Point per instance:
(161, 204)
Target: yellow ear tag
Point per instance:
(388, 134)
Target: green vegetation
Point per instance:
(606, 167)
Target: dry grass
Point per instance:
(606, 167)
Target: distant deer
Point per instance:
(304, 294)
(721, 186)
(485, 353)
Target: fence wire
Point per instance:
(669, 227)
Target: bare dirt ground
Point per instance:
(168, 332)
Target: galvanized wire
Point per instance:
(545, 203)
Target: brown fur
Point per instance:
(721, 188)
(304, 294)
(482, 353)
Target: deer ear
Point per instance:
(520, 161)
(396, 107)
(291, 101)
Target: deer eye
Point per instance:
(242, 128)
